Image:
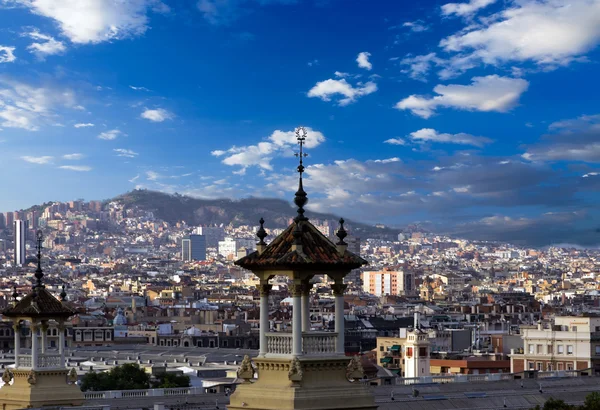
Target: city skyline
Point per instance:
(437, 114)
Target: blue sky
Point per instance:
(478, 118)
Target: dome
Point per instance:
(120, 319)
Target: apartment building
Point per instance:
(570, 343)
(381, 283)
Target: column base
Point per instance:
(50, 389)
(320, 385)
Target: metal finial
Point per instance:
(301, 199)
(39, 273)
(341, 233)
(15, 294)
(262, 234)
(63, 294)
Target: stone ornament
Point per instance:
(7, 376)
(32, 378)
(355, 370)
(295, 373)
(246, 370)
(72, 376)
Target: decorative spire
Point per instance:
(15, 294)
(301, 198)
(341, 233)
(261, 233)
(39, 273)
(63, 294)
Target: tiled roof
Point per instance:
(41, 304)
(317, 252)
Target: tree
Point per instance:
(128, 376)
(171, 380)
(592, 401)
(555, 404)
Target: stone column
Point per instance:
(44, 334)
(34, 345)
(17, 331)
(306, 306)
(338, 291)
(296, 290)
(265, 289)
(61, 343)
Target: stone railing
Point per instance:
(23, 360)
(49, 361)
(491, 377)
(279, 343)
(128, 394)
(319, 343)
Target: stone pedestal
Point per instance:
(303, 383)
(39, 388)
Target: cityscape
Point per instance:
(299, 205)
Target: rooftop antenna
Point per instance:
(301, 198)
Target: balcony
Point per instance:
(313, 343)
(44, 361)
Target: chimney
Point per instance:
(416, 324)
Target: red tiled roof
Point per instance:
(41, 304)
(317, 252)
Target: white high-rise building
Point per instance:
(230, 246)
(21, 227)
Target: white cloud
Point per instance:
(152, 176)
(431, 135)
(279, 143)
(138, 88)
(490, 93)
(419, 66)
(465, 9)
(548, 32)
(95, 21)
(110, 135)
(47, 46)
(395, 141)
(157, 115)
(135, 178)
(417, 26)
(341, 74)
(122, 152)
(363, 60)
(24, 106)
(7, 54)
(73, 157)
(328, 88)
(38, 160)
(83, 125)
(77, 168)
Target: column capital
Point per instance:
(265, 289)
(338, 289)
(34, 327)
(297, 289)
(16, 327)
(44, 326)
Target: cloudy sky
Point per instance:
(479, 118)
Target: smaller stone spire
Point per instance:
(39, 273)
(301, 198)
(341, 234)
(262, 234)
(63, 294)
(15, 295)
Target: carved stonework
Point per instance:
(297, 289)
(7, 376)
(72, 376)
(339, 289)
(246, 370)
(295, 373)
(265, 289)
(32, 378)
(355, 370)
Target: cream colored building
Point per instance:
(571, 343)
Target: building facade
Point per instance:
(381, 283)
(570, 343)
(193, 248)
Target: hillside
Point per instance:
(248, 211)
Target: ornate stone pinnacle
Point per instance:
(262, 234)
(341, 233)
(301, 199)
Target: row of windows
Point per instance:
(560, 349)
(90, 336)
(550, 366)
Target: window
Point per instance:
(574, 328)
(550, 349)
(98, 335)
(560, 349)
(569, 366)
(569, 349)
(531, 365)
(78, 336)
(539, 349)
(597, 328)
(597, 349)
(561, 366)
(549, 367)
(381, 348)
(531, 347)
(540, 366)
